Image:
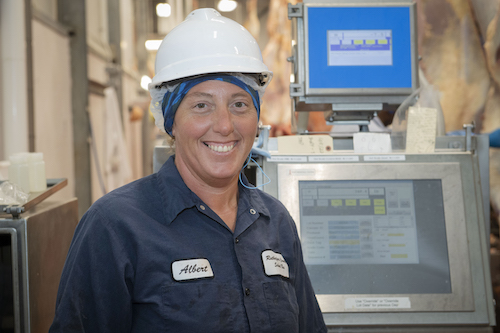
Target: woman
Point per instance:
(193, 248)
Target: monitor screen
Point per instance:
(360, 48)
(374, 236)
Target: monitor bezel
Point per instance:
(461, 297)
(383, 95)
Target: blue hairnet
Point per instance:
(172, 100)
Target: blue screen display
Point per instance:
(359, 47)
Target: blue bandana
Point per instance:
(172, 100)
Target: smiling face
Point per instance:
(214, 129)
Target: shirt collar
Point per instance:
(250, 197)
(176, 196)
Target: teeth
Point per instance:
(221, 149)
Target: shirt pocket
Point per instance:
(202, 307)
(282, 306)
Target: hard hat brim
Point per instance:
(212, 64)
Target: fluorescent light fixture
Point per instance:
(145, 80)
(152, 44)
(163, 10)
(227, 5)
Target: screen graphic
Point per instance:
(359, 48)
(358, 222)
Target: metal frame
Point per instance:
(17, 231)
(461, 298)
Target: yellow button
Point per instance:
(336, 202)
(399, 256)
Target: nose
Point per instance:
(223, 121)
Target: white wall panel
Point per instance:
(52, 104)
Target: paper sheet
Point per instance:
(421, 130)
(305, 144)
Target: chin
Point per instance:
(225, 172)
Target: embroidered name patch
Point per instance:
(274, 264)
(191, 269)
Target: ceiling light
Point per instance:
(153, 44)
(145, 80)
(227, 5)
(163, 10)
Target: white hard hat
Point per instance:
(207, 42)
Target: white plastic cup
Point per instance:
(37, 177)
(19, 171)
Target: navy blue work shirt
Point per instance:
(152, 257)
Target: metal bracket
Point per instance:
(296, 89)
(263, 139)
(468, 136)
(14, 210)
(295, 10)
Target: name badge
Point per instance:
(274, 264)
(191, 269)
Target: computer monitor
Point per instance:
(357, 52)
(381, 233)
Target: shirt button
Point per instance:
(237, 240)
(202, 207)
(247, 291)
(252, 211)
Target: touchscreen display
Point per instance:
(374, 236)
(361, 222)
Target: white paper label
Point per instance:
(372, 142)
(341, 158)
(281, 158)
(274, 264)
(191, 269)
(305, 144)
(384, 158)
(377, 303)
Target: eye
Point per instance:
(240, 104)
(200, 106)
